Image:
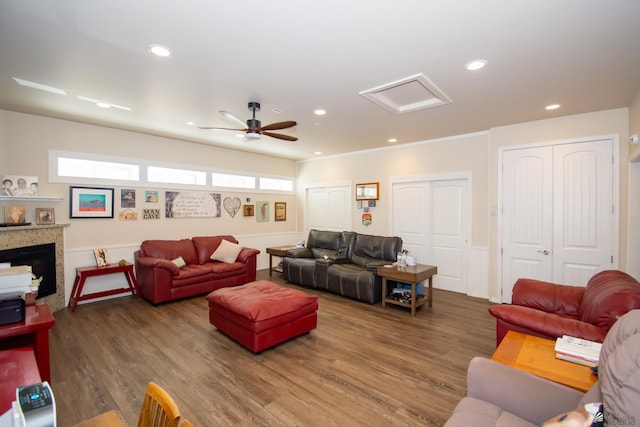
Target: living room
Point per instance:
(30, 140)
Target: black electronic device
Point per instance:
(11, 311)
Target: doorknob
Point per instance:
(544, 252)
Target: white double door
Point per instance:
(557, 217)
(432, 218)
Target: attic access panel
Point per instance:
(406, 95)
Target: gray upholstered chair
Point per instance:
(499, 395)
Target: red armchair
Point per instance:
(550, 310)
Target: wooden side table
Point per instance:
(279, 251)
(411, 275)
(33, 332)
(538, 357)
(83, 273)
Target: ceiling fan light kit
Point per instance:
(254, 128)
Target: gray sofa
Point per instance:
(344, 263)
(499, 395)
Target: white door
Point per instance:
(449, 230)
(557, 213)
(328, 208)
(432, 217)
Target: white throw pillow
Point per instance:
(226, 252)
(179, 262)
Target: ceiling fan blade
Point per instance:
(230, 116)
(217, 128)
(279, 125)
(279, 136)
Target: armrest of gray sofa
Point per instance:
(300, 253)
(525, 395)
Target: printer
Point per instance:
(15, 283)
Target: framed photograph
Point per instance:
(368, 191)
(15, 214)
(102, 257)
(45, 216)
(280, 209)
(19, 186)
(89, 202)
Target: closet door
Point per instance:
(328, 208)
(557, 213)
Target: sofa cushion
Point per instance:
(368, 249)
(206, 246)
(608, 295)
(226, 252)
(170, 249)
(549, 297)
(478, 413)
(324, 239)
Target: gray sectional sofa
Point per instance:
(343, 263)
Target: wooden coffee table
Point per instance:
(538, 357)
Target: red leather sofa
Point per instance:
(551, 310)
(161, 280)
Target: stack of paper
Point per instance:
(578, 350)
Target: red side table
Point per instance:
(18, 367)
(82, 273)
(33, 332)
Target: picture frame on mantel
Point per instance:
(368, 191)
(45, 216)
(90, 202)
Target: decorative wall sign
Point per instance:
(366, 219)
(128, 215)
(280, 209)
(127, 198)
(232, 205)
(88, 202)
(262, 211)
(150, 213)
(192, 204)
(248, 210)
(151, 196)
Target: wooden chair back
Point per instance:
(186, 423)
(158, 408)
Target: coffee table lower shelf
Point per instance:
(537, 356)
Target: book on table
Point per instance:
(578, 350)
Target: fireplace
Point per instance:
(41, 259)
(41, 235)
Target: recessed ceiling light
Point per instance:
(160, 50)
(276, 110)
(476, 64)
(190, 123)
(317, 153)
(552, 107)
(39, 86)
(392, 140)
(103, 104)
(320, 112)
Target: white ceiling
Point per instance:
(297, 56)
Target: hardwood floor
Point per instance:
(362, 365)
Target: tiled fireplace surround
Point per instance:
(18, 237)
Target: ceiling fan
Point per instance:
(253, 127)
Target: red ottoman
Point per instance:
(262, 314)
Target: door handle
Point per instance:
(543, 252)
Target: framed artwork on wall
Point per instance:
(280, 210)
(89, 202)
(368, 191)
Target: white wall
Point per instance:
(24, 144)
